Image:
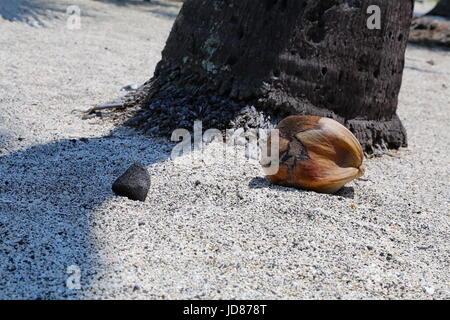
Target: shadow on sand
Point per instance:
(47, 195)
(151, 3)
(32, 12)
(164, 9)
(262, 182)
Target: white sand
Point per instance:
(424, 6)
(215, 231)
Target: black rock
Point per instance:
(134, 183)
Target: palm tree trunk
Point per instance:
(281, 57)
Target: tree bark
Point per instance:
(442, 9)
(247, 62)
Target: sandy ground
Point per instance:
(208, 230)
(423, 7)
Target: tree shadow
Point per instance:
(264, 183)
(151, 3)
(163, 13)
(5, 139)
(49, 195)
(164, 9)
(27, 11)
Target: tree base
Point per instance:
(175, 109)
(245, 63)
(430, 32)
(379, 134)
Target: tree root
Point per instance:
(100, 107)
